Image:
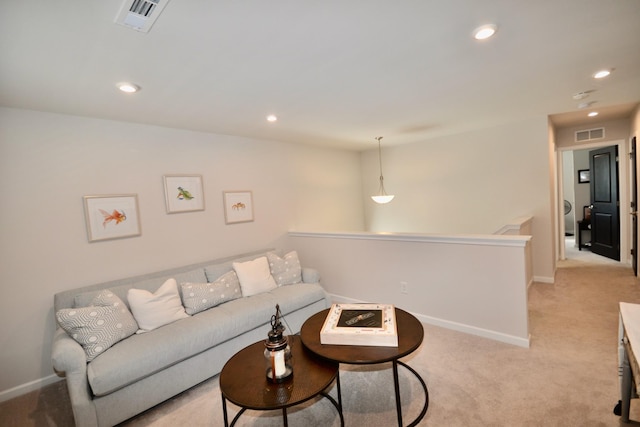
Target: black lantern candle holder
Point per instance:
(277, 353)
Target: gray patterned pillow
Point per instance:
(286, 270)
(197, 297)
(99, 326)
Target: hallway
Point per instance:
(585, 256)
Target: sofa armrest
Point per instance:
(310, 275)
(68, 358)
(66, 354)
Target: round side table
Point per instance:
(410, 336)
(243, 381)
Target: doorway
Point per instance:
(574, 197)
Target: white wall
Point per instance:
(49, 161)
(473, 284)
(580, 190)
(470, 183)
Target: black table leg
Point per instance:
(224, 411)
(396, 385)
(426, 394)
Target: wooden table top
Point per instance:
(243, 379)
(410, 336)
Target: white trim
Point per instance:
(515, 225)
(544, 279)
(28, 387)
(472, 330)
(459, 239)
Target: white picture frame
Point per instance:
(238, 206)
(183, 193)
(111, 217)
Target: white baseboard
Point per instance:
(28, 387)
(460, 327)
(544, 279)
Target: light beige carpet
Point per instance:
(568, 377)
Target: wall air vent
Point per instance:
(140, 15)
(589, 134)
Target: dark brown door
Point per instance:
(605, 211)
(634, 207)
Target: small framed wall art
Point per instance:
(238, 206)
(183, 193)
(584, 176)
(112, 216)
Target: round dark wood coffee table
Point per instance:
(410, 336)
(243, 381)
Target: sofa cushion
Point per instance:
(151, 283)
(291, 298)
(152, 310)
(197, 297)
(215, 271)
(255, 276)
(99, 326)
(285, 270)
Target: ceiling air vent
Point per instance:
(140, 15)
(589, 134)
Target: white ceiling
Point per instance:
(336, 72)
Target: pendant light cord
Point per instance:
(380, 156)
(382, 196)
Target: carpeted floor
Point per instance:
(568, 377)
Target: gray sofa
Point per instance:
(144, 370)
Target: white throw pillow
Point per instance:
(152, 310)
(255, 276)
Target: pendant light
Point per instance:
(382, 196)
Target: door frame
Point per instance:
(624, 178)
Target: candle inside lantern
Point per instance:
(278, 363)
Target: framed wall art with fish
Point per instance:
(183, 193)
(112, 216)
(238, 206)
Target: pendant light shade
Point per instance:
(382, 196)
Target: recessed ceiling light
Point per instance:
(485, 31)
(601, 74)
(272, 118)
(128, 87)
(592, 114)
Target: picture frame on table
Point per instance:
(238, 206)
(111, 217)
(183, 193)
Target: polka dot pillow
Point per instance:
(285, 270)
(197, 297)
(99, 326)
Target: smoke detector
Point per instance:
(581, 95)
(140, 15)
